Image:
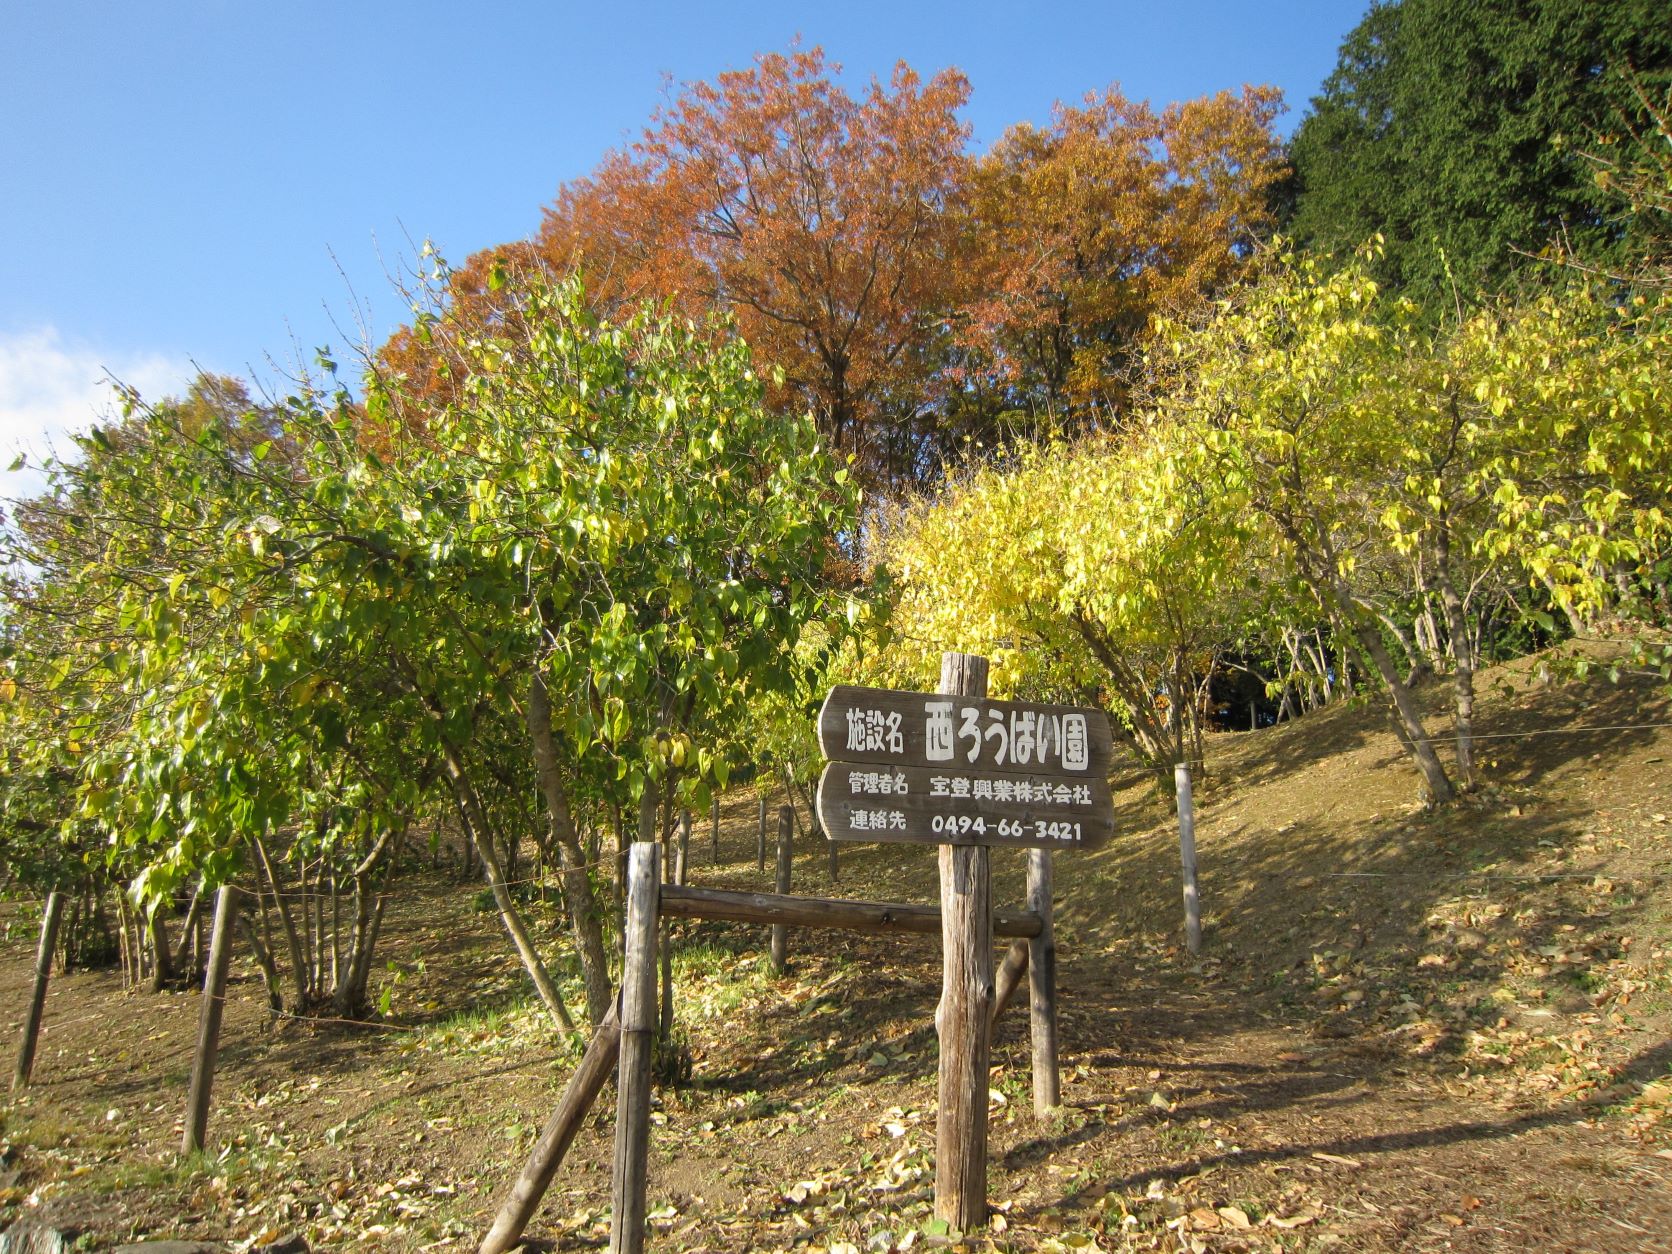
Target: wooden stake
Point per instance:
(682, 859)
(670, 868)
(1187, 855)
(209, 1021)
(664, 950)
(760, 837)
(37, 999)
(1009, 978)
(963, 1019)
(596, 1066)
(638, 1028)
(1042, 988)
(780, 933)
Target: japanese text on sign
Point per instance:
(875, 731)
(950, 733)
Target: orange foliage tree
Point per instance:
(1089, 228)
(821, 221)
(906, 293)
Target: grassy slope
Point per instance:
(1410, 1030)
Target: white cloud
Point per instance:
(50, 387)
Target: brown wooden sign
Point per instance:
(923, 729)
(946, 805)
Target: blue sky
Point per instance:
(228, 185)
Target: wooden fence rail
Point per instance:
(776, 909)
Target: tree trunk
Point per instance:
(37, 1000)
(1406, 713)
(481, 839)
(585, 915)
(348, 991)
(361, 971)
(298, 974)
(183, 952)
(263, 959)
(156, 940)
(1462, 654)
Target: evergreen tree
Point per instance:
(1454, 128)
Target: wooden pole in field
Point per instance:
(638, 1029)
(780, 933)
(1042, 987)
(760, 837)
(209, 1021)
(37, 999)
(596, 1067)
(1187, 854)
(714, 830)
(963, 1018)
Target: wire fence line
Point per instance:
(1508, 876)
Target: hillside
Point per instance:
(1408, 1031)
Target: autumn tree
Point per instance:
(1086, 229)
(1095, 571)
(819, 219)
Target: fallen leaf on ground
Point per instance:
(1292, 1221)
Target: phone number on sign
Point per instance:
(965, 825)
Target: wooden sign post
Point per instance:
(949, 768)
(954, 769)
(963, 1020)
(916, 767)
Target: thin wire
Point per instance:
(1566, 731)
(1142, 772)
(1529, 876)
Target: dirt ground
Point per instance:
(1409, 1031)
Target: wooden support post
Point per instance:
(1009, 978)
(638, 1028)
(1042, 988)
(209, 1021)
(963, 1019)
(714, 830)
(1187, 856)
(664, 955)
(830, 857)
(780, 933)
(760, 837)
(596, 1066)
(37, 1000)
(682, 858)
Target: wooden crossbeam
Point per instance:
(846, 915)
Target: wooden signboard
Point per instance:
(922, 767)
(861, 801)
(925, 729)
